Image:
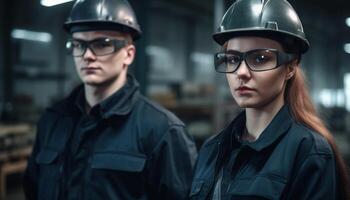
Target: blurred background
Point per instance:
(174, 66)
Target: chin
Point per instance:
(92, 82)
(247, 103)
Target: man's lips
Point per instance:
(89, 68)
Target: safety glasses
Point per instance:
(99, 46)
(256, 60)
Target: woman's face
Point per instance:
(257, 89)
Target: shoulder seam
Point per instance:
(163, 136)
(168, 118)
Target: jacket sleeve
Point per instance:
(30, 178)
(171, 165)
(31, 174)
(315, 179)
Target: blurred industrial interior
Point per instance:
(174, 66)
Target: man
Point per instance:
(106, 141)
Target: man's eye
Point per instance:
(101, 45)
(77, 45)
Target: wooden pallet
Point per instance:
(14, 152)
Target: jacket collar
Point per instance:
(276, 128)
(122, 101)
(279, 125)
(226, 136)
(119, 103)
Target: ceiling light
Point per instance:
(347, 90)
(347, 48)
(31, 35)
(347, 21)
(49, 3)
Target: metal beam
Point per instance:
(140, 67)
(7, 11)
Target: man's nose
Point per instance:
(89, 54)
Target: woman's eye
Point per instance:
(261, 58)
(233, 59)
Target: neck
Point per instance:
(95, 94)
(257, 119)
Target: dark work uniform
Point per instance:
(288, 161)
(126, 148)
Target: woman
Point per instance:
(277, 148)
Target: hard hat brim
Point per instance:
(291, 41)
(87, 25)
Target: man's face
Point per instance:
(104, 61)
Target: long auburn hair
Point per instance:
(302, 109)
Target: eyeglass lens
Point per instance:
(100, 47)
(256, 60)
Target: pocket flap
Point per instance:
(118, 161)
(196, 187)
(46, 156)
(269, 188)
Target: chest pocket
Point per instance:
(257, 188)
(118, 162)
(50, 170)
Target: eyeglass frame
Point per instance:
(117, 45)
(282, 58)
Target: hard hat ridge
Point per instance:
(87, 15)
(275, 19)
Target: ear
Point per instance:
(130, 54)
(290, 72)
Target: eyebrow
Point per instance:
(232, 51)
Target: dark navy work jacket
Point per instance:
(288, 161)
(126, 148)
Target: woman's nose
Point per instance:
(243, 70)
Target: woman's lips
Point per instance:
(244, 90)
